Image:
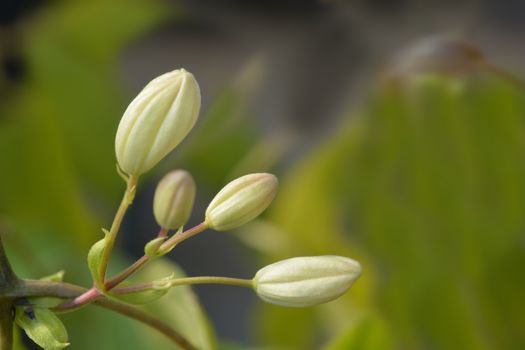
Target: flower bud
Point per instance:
(157, 120)
(306, 281)
(173, 200)
(241, 200)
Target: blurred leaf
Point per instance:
(426, 187)
(369, 334)
(287, 328)
(233, 346)
(63, 118)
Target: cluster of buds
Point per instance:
(155, 122)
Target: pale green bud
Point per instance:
(306, 281)
(157, 120)
(241, 200)
(173, 200)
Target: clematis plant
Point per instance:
(155, 122)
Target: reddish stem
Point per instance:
(94, 293)
(83, 299)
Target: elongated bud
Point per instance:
(306, 281)
(241, 200)
(157, 120)
(173, 200)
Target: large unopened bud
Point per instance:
(241, 200)
(157, 120)
(306, 281)
(173, 199)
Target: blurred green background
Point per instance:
(415, 165)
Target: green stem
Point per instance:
(7, 276)
(6, 325)
(115, 226)
(85, 298)
(166, 246)
(178, 238)
(8, 281)
(37, 288)
(188, 281)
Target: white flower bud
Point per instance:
(173, 199)
(157, 120)
(241, 200)
(306, 281)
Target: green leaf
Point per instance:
(369, 334)
(18, 342)
(425, 187)
(42, 326)
(94, 259)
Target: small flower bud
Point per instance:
(157, 120)
(241, 200)
(306, 281)
(173, 200)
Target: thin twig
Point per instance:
(135, 288)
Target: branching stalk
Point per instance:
(187, 281)
(37, 288)
(92, 294)
(137, 265)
